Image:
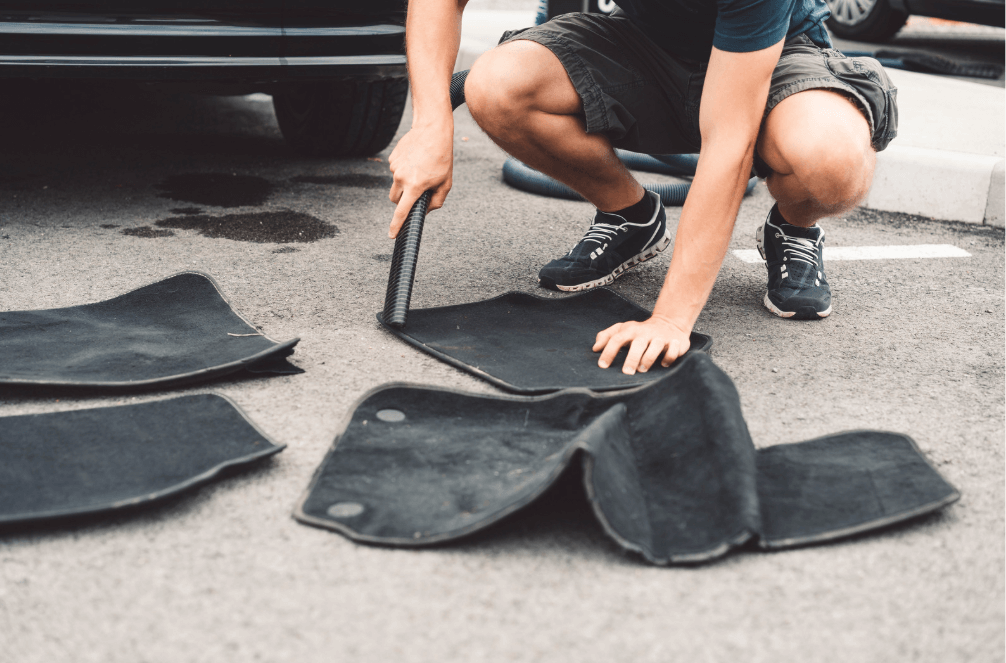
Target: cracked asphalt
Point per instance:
(225, 574)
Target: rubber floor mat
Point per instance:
(530, 344)
(103, 459)
(669, 468)
(174, 331)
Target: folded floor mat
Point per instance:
(530, 344)
(669, 469)
(102, 459)
(177, 330)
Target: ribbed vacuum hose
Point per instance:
(525, 178)
(406, 253)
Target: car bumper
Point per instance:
(204, 68)
(200, 51)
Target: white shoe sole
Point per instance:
(789, 314)
(621, 269)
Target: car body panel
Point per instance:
(247, 41)
(239, 12)
(985, 12)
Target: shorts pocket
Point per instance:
(872, 85)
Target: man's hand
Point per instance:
(733, 103)
(422, 160)
(647, 341)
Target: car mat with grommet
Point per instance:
(175, 331)
(669, 468)
(529, 344)
(63, 464)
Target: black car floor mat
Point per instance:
(528, 344)
(669, 468)
(174, 331)
(101, 459)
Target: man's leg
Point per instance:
(817, 143)
(520, 95)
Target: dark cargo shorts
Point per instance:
(647, 100)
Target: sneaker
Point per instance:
(797, 287)
(611, 246)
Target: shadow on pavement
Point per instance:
(54, 118)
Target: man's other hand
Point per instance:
(647, 342)
(422, 160)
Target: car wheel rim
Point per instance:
(850, 12)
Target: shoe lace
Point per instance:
(799, 249)
(602, 232)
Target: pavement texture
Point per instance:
(947, 161)
(225, 574)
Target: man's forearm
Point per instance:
(730, 114)
(433, 36)
(703, 234)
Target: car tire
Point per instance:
(341, 119)
(864, 20)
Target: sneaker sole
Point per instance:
(621, 269)
(803, 313)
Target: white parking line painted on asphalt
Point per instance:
(893, 252)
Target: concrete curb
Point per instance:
(947, 162)
(994, 210)
(951, 186)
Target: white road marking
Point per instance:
(258, 96)
(894, 252)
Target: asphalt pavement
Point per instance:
(225, 574)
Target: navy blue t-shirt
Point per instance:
(690, 28)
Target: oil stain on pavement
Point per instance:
(216, 189)
(359, 180)
(147, 232)
(277, 227)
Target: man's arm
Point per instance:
(424, 157)
(730, 114)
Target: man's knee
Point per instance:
(827, 149)
(497, 87)
(514, 79)
(837, 170)
(847, 173)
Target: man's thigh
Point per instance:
(630, 90)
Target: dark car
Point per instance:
(878, 20)
(336, 69)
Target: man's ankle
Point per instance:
(639, 212)
(780, 220)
